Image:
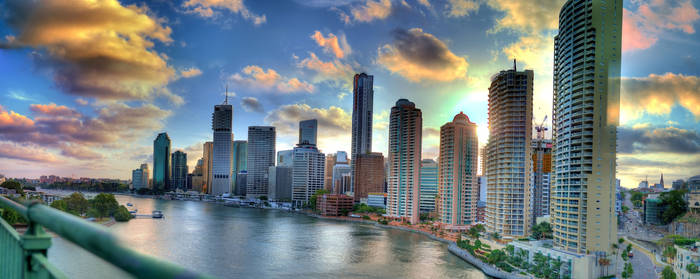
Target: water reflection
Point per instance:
(254, 243)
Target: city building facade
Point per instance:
(240, 161)
(428, 184)
(307, 131)
(161, 162)
(307, 173)
(458, 186)
(222, 121)
(541, 177)
(261, 156)
(280, 184)
(370, 175)
(207, 160)
(508, 153)
(362, 108)
(334, 204)
(405, 139)
(179, 170)
(587, 53)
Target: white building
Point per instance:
(307, 173)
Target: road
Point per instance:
(633, 227)
(643, 267)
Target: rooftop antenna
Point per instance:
(515, 67)
(226, 100)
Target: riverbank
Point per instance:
(451, 245)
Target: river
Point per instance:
(256, 243)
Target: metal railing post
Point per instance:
(34, 241)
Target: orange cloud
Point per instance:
(333, 123)
(458, 8)
(96, 49)
(12, 121)
(339, 47)
(642, 28)
(205, 8)
(191, 72)
(26, 153)
(657, 94)
(418, 56)
(334, 71)
(54, 110)
(255, 77)
(371, 10)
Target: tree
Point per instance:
(13, 185)
(668, 273)
(542, 230)
(670, 252)
(60, 205)
(76, 204)
(496, 236)
(496, 256)
(625, 209)
(105, 204)
(314, 197)
(692, 268)
(122, 214)
(475, 230)
(627, 271)
(674, 203)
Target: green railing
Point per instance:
(24, 256)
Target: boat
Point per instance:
(129, 204)
(133, 211)
(157, 214)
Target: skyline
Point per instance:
(57, 115)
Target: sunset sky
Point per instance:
(85, 86)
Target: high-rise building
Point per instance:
(261, 155)
(222, 121)
(179, 170)
(362, 107)
(161, 162)
(307, 131)
(285, 158)
(240, 161)
(483, 192)
(428, 184)
(241, 179)
(458, 188)
(146, 176)
(207, 160)
(678, 184)
(198, 176)
(280, 184)
(370, 175)
(405, 139)
(328, 176)
(307, 173)
(340, 170)
(541, 177)
(508, 160)
(139, 177)
(586, 114)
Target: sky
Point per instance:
(86, 85)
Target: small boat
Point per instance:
(129, 204)
(133, 211)
(157, 214)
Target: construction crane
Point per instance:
(541, 129)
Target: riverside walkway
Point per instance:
(24, 256)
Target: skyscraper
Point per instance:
(240, 161)
(586, 114)
(428, 184)
(206, 166)
(339, 170)
(458, 188)
(261, 155)
(508, 160)
(307, 172)
(307, 131)
(371, 180)
(222, 121)
(179, 170)
(405, 131)
(541, 177)
(280, 183)
(146, 174)
(139, 177)
(161, 162)
(362, 106)
(328, 177)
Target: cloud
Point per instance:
(95, 49)
(458, 8)
(251, 104)
(431, 132)
(194, 152)
(333, 124)
(190, 72)
(334, 71)
(54, 110)
(657, 94)
(424, 3)
(641, 28)
(371, 10)
(332, 44)
(115, 126)
(527, 16)
(206, 9)
(19, 95)
(664, 140)
(26, 153)
(81, 101)
(419, 56)
(255, 77)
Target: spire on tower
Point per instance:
(226, 100)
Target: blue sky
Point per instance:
(84, 88)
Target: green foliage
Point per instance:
(674, 203)
(363, 208)
(122, 214)
(636, 196)
(510, 249)
(692, 268)
(11, 216)
(496, 256)
(627, 270)
(668, 273)
(542, 230)
(89, 186)
(314, 197)
(622, 195)
(13, 185)
(263, 198)
(366, 217)
(625, 209)
(383, 222)
(474, 231)
(60, 205)
(637, 204)
(76, 204)
(104, 204)
(670, 252)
